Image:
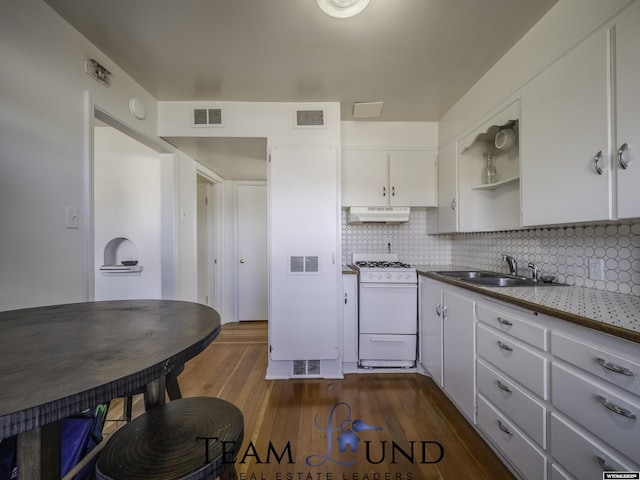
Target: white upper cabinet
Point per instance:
(627, 62)
(564, 139)
(447, 189)
(383, 178)
(571, 170)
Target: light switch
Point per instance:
(73, 217)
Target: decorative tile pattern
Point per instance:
(408, 239)
(562, 251)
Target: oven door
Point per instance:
(388, 308)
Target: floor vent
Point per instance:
(305, 368)
(207, 117)
(310, 118)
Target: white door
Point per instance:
(365, 179)
(204, 245)
(412, 179)
(252, 252)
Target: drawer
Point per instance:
(510, 399)
(619, 369)
(387, 347)
(597, 406)
(581, 454)
(520, 362)
(522, 453)
(513, 325)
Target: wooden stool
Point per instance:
(169, 442)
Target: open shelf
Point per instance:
(493, 186)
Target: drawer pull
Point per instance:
(615, 368)
(504, 387)
(603, 464)
(439, 309)
(505, 429)
(616, 408)
(504, 346)
(504, 321)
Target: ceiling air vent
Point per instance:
(207, 117)
(309, 118)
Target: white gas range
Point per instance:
(388, 311)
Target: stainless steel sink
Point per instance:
(494, 279)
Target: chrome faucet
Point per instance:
(534, 270)
(513, 264)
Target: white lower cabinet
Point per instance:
(525, 456)
(349, 323)
(525, 410)
(600, 408)
(582, 454)
(554, 399)
(430, 326)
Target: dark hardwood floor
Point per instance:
(419, 434)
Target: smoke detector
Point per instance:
(342, 8)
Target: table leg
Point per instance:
(38, 453)
(154, 393)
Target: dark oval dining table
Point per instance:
(58, 360)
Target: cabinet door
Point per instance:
(430, 314)
(564, 125)
(627, 34)
(412, 179)
(365, 179)
(447, 189)
(304, 277)
(350, 318)
(459, 352)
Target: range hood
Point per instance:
(378, 215)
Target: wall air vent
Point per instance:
(306, 368)
(207, 117)
(310, 118)
(301, 264)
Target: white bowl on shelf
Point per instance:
(505, 139)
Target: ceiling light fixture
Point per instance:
(342, 8)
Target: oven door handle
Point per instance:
(388, 338)
(389, 285)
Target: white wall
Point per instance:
(127, 204)
(43, 146)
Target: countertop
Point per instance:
(614, 313)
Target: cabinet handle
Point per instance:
(615, 368)
(603, 464)
(623, 163)
(345, 298)
(504, 321)
(616, 408)
(505, 429)
(444, 312)
(504, 346)
(596, 162)
(393, 191)
(504, 387)
(453, 204)
(384, 191)
(439, 309)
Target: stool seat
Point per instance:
(169, 442)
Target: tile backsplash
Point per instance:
(561, 251)
(408, 240)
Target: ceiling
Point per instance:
(417, 56)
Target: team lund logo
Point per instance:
(346, 431)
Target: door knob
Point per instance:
(242, 260)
